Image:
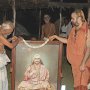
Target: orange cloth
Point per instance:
(88, 38)
(88, 45)
(76, 47)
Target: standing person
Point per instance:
(66, 27)
(65, 30)
(48, 29)
(6, 29)
(76, 47)
(36, 76)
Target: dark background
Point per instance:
(32, 19)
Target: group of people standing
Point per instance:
(78, 48)
(49, 28)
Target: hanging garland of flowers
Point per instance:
(30, 46)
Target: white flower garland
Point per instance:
(36, 46)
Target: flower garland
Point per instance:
(36, 46)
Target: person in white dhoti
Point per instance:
(3, 72)
(5, 29)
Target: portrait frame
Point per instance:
(50, 45)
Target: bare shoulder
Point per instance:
(2, 38)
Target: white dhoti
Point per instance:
(3, 72)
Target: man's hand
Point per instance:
(14, 38)
(51, 38)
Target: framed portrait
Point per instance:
(22, 59)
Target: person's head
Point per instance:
(77, 17)
(46, 18)
(66, 21)
(37, 59)
(7, 27)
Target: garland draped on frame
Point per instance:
(30, 46)
(14, 21)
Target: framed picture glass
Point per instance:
(23, 58)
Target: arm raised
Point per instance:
(61, 39)
(5, 42)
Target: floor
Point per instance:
(67, 78)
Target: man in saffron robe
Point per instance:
(76, 48)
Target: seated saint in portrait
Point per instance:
(36, 76)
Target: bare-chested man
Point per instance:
(48, 29)
(5, 29)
